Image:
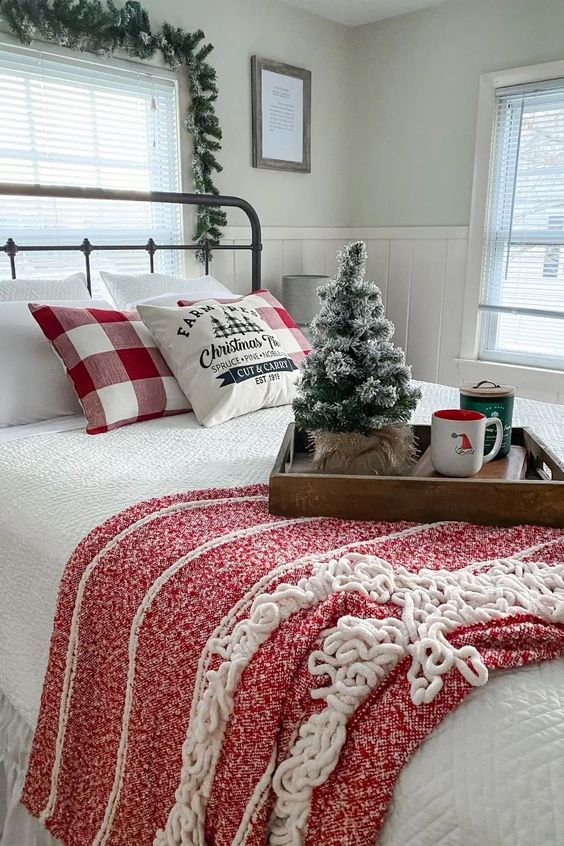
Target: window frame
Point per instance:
(473, 316)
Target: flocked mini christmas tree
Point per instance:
(355, 397)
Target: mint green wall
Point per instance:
(240, 28)
(415, 91)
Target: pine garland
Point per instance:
(103, 28)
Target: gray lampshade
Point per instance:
(299, 295)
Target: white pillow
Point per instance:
(71, 288)
(128, 291)
(33, 385)
(225, 357)
(195, 293)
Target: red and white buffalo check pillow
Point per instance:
(294, 343)
(116, 368)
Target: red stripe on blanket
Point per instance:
(138, 602)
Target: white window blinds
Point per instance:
(522, 298)
(92, 124)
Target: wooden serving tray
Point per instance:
(526, 487)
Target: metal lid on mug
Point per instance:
(487, 389)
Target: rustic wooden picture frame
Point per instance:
(259, 64)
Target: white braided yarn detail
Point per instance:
(356, 655)
(185, 824)
(244, 605)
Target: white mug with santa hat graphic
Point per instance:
(457, 441)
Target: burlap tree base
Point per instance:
(389, 451)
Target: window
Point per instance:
(522, 292)
(87, 123)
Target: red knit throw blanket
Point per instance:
(219, 675)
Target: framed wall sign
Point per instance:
(281, 107)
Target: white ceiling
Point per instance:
(356, 12)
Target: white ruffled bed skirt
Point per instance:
(17, 826)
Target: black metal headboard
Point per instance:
(86, 247)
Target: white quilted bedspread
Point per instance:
(492, 774)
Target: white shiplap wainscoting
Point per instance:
(420, 271)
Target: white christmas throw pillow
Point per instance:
(225, 357)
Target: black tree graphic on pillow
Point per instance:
(236, 322)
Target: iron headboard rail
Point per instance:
(151, 247)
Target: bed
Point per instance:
(492, 772)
